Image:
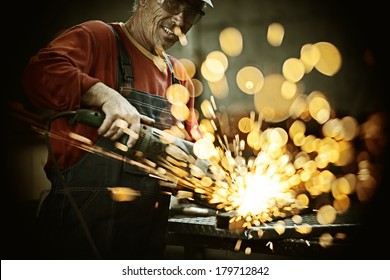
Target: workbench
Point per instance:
(199, 233)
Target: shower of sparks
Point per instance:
(287, 169)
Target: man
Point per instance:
(79, 69)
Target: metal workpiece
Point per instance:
(199, 233)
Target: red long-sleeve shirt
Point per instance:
(57, 76)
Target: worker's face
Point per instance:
(163, 15)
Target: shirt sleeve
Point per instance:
(60, 73)
(56, 76)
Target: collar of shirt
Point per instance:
(160, 62)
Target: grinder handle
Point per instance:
(92, 118)
(88, 117)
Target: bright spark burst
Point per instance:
(283, 174)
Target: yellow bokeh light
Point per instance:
(180, 112)
(293, 70)
(220, 88)
(310, 55)
(189, 66)
(250, 79)
(245, 125)
(212, 70)
(220, 56)
(198, 87)
(330, 59)
(275, 34)
(270, 101)
(177, 94)
(231, 41)
(289, 89)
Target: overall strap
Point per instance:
(125, 68)
(124, 63)
(168, 61)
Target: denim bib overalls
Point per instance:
(82, 219)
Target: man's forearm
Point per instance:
(97, 95)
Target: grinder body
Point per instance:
(152, 142)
